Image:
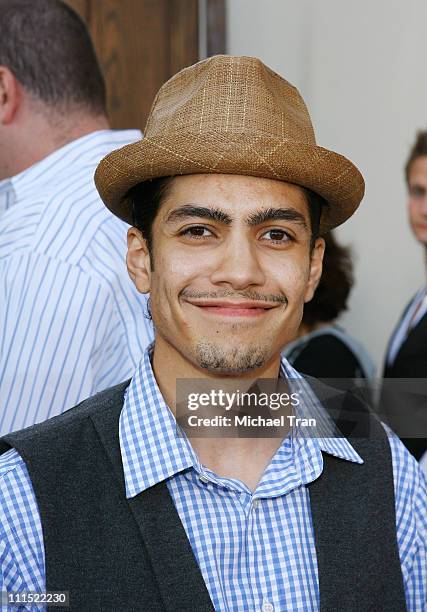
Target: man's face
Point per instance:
(233, 268)
(417, 201)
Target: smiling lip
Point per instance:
(234, 309)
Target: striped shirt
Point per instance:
(255, 549)
(71, 320)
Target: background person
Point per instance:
(71, 321)
(405, 403)
(323, 349)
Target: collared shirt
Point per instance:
(255, 550)
(414, 313)
(71, 321)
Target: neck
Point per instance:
(167, 360)
(26, 146)
(243, 458)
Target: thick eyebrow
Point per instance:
(201, 212)
(277, 214)
(216, 214)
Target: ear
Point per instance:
(316, 260)
(10, 95)
(138, 260)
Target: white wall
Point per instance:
(361, 68)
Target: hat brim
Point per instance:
(325, 172)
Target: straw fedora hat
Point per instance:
(231, 115)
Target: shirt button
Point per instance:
(255, 505)
(203, 478)
(267, 607)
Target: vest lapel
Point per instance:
(354, 522)
(163, 533)
(415, 340)
(172, 557)
(396, 330)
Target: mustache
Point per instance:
(249, 295)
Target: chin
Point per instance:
(420, 233)
(422, 238)
(226, 360)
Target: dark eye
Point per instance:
(196, 231)
(417, 192)
(277, 235)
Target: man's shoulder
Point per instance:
(62, 215)
(71, 218)
(67, 230)
(109, 402)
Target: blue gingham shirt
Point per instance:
(255, 550)
(71, 321)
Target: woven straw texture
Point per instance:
(231, 115)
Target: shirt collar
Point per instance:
(151, 448)
(327, 436)
(7, 195)
(89, 149)
(154, 449)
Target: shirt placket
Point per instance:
(257, 570)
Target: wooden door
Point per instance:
(142, 43)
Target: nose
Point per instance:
(238, 264)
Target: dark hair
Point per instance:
(146, 199)
(147, 196)
(48, 48)
(419, 149)
(315, 204)
(330, 297)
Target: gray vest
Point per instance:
(114, 554)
